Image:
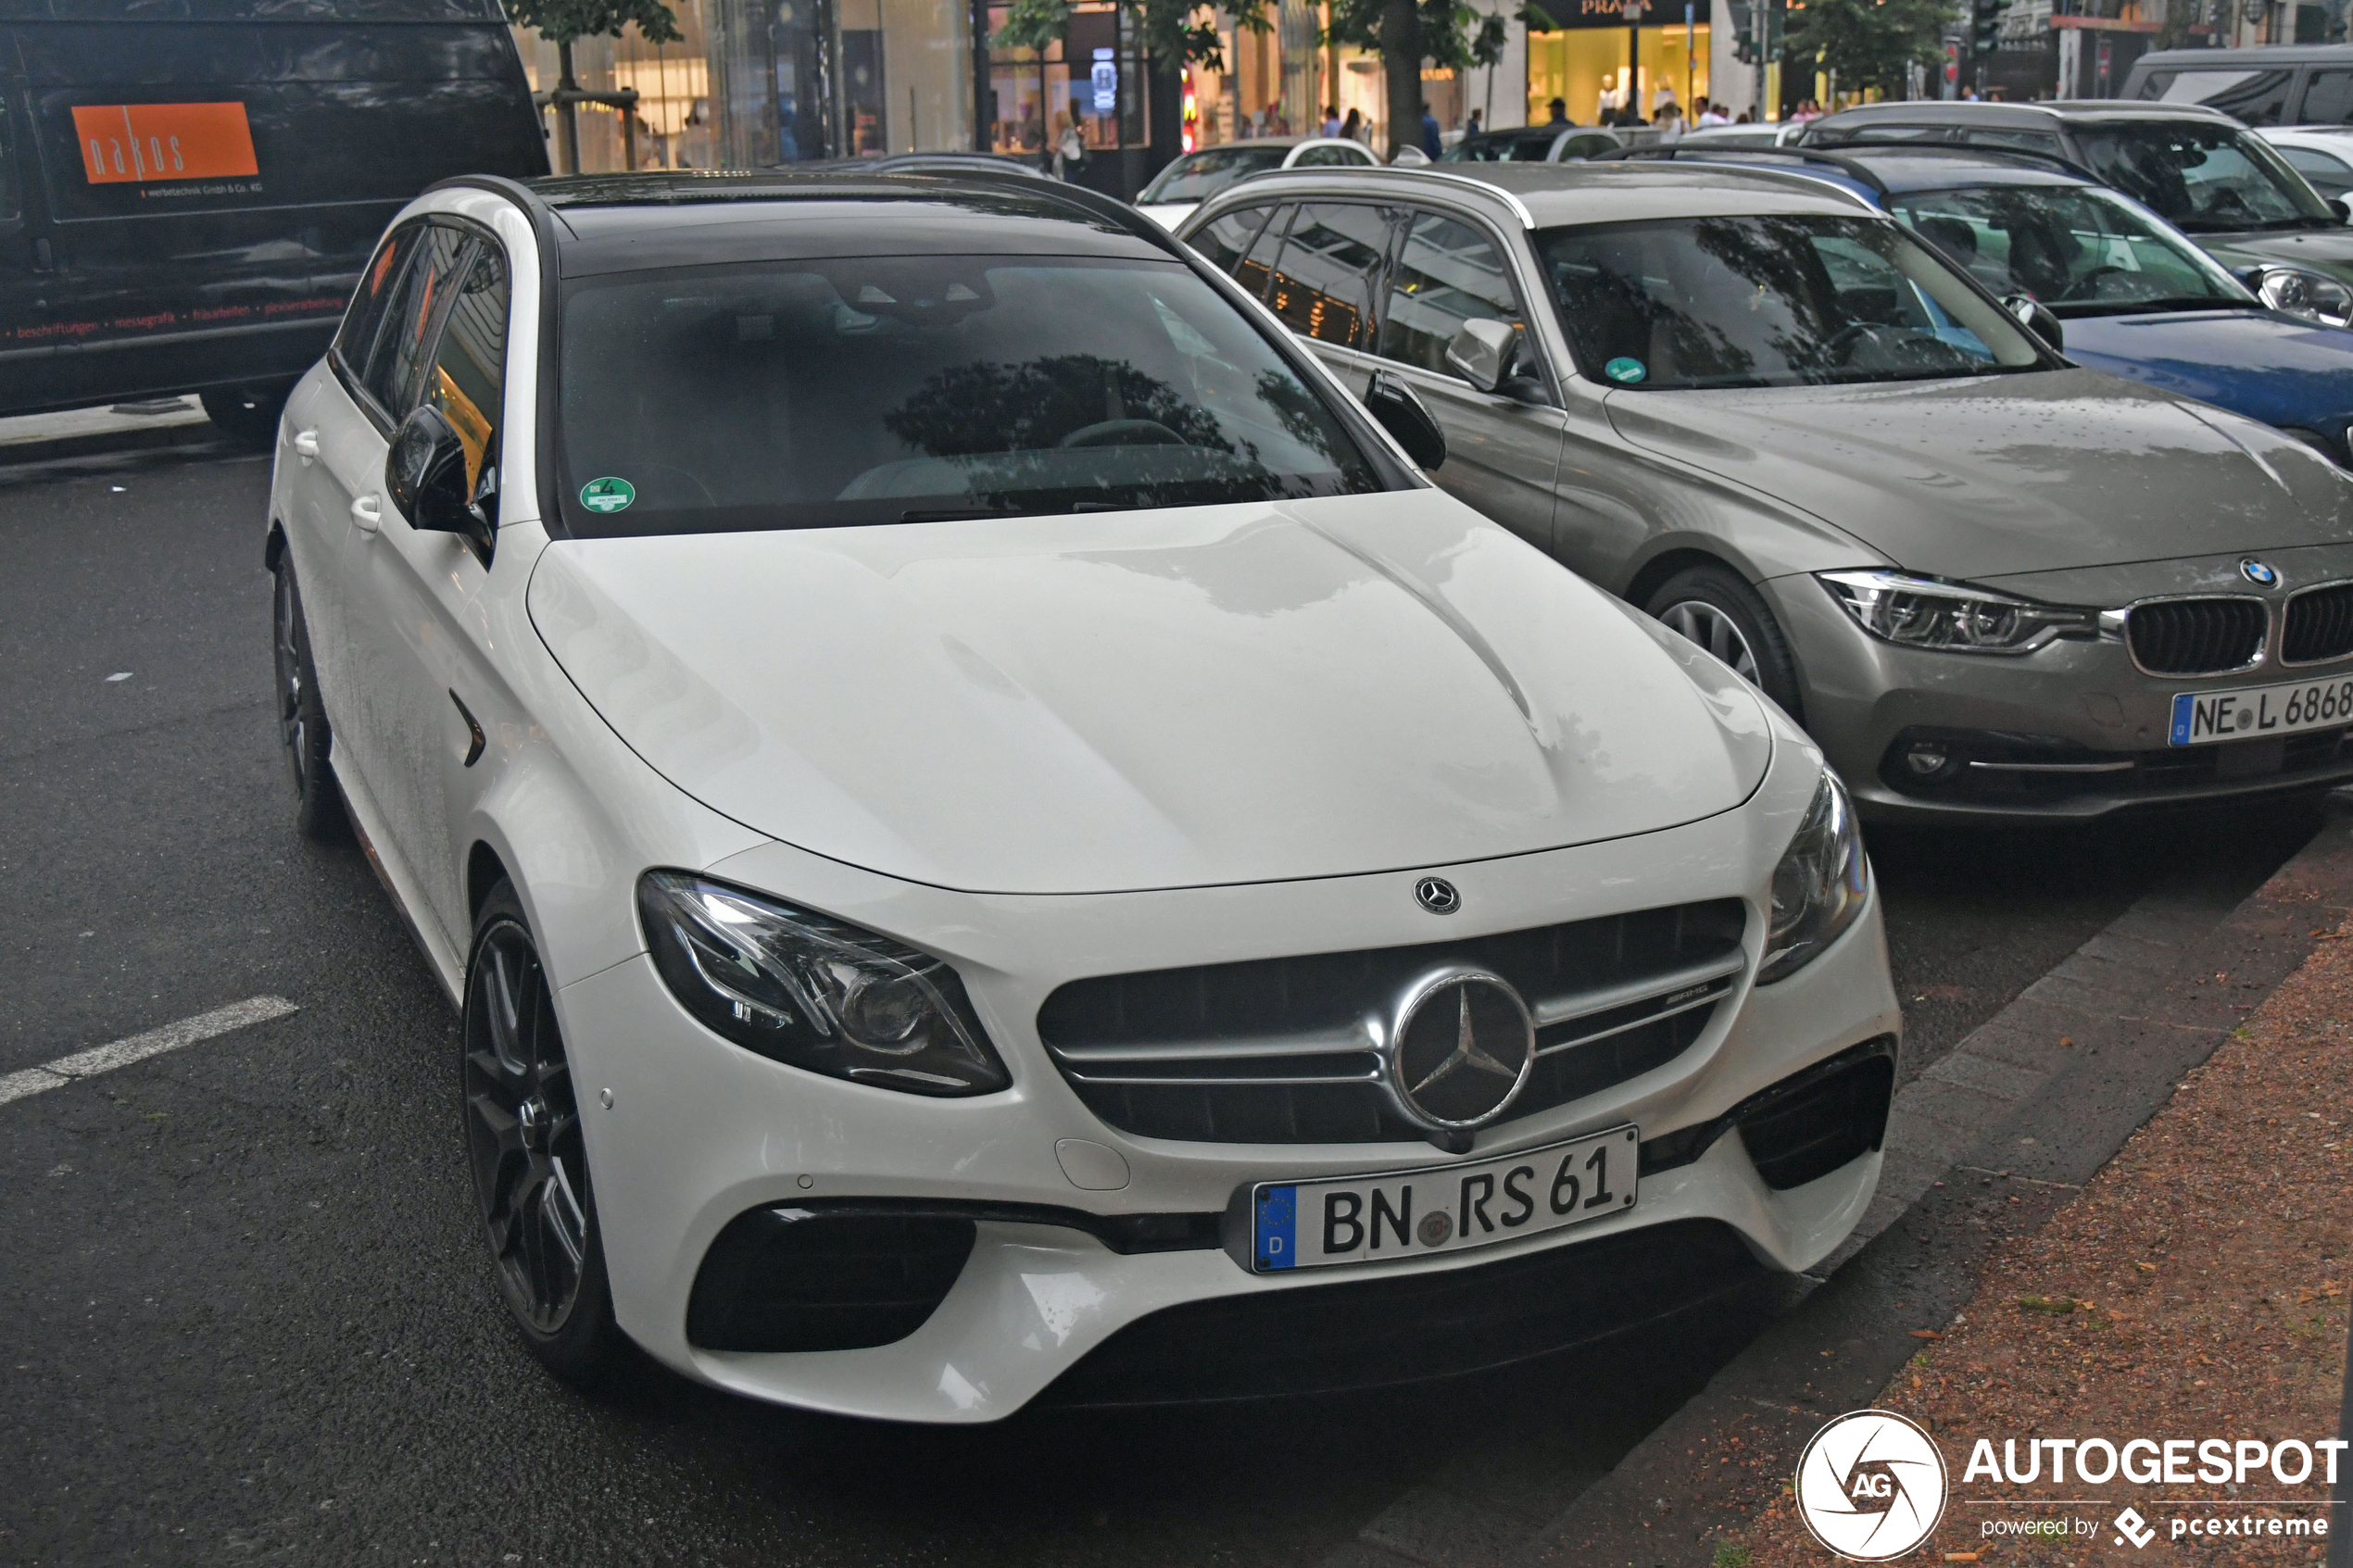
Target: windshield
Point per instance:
(1523, 148)
(1198, 176)
(2204, 178)
(919, 389)
(1780, 301)
(2080, 251)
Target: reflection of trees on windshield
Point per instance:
(1779, 258)
(1301, 416)
(985, 406)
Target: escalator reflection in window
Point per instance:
(1323, 287)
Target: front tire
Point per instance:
(247, 415)
(302, 722)
(523, 1143)
(1714, 607)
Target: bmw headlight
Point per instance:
(811, 992)
(1923, 612)
(2301, 292)
(1819, 885)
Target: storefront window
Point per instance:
(1584, 63)
(1092, 77)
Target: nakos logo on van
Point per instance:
(1870, 1486)
(146, 144)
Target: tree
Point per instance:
(561, 22)
(1170, 31)
(1868, 42)
(1450, 34)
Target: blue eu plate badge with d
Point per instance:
(1277, 1227)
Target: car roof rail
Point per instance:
(1765, 158)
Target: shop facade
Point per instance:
(1598, 56)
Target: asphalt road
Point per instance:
(245, 1313)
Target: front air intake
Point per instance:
(2197, 637)
(790, 1278)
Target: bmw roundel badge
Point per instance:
(2259, 573)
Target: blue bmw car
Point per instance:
(2130, 294)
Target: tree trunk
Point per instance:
(566, 122)
(1401, 51)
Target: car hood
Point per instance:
(1116, 701)
(2005, 474)
(2327, 250)
(2265, 364)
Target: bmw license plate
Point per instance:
(1444, 1208)
(2203, 717)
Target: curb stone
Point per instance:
(1986, 1143)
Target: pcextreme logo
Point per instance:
(1870, 1486)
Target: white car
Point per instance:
(1194, 178)
(2322, 153)
(994, 837)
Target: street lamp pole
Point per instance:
(1632, 11)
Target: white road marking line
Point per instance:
(138, 1047)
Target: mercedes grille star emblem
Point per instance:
(1462, 1046)
(1437, 895)
(2258, 573)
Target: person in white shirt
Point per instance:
(1669, 120)
(1709, 114)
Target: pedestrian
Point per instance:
(1275, 124)
(1671, 122)
(1557, 112)
(1354, 130)
(1709, 113)
(1661, 99)
(1473, 128)
(1433, 140)
(1968, 94)
(1742, 119)
(1331, 121)
(1070, 154)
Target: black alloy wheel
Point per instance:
(523, 1143)
(1714, 607)
(302, 723)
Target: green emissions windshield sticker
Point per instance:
(1619, 368)
(612, 494)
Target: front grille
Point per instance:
(1276, 1050)
(1404, 1328)
(2320, 625)
(2197, 637)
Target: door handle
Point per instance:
(305, 444)
(367, 511)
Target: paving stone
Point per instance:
(1937, 1142)
(2000, 1079)
(1971, 1110)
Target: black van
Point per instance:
(2270, 84)
(189, 188)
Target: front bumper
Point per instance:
(2070, 731)
(698, 1132)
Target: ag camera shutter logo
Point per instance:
(1870, 1486)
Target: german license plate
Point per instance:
(2202, 717)
(1445, 1208)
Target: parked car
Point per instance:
(2198, 169)
(2125, 292)
(1185, 183)
(1535, 144)
(2322, 153)
(1731, 136)
(1993, 585)
(186, 198)
(996, 838)
(2264, 84)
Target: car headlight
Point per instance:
(809, 991)
(1819, 885)
(1923, 612)
(2301, 292)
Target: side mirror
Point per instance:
(2342, 209)
(1402, 414)
(1410, 158)
(425, 478)
(1481, 352)
(2036, 317)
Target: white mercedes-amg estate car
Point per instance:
(996, 839)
